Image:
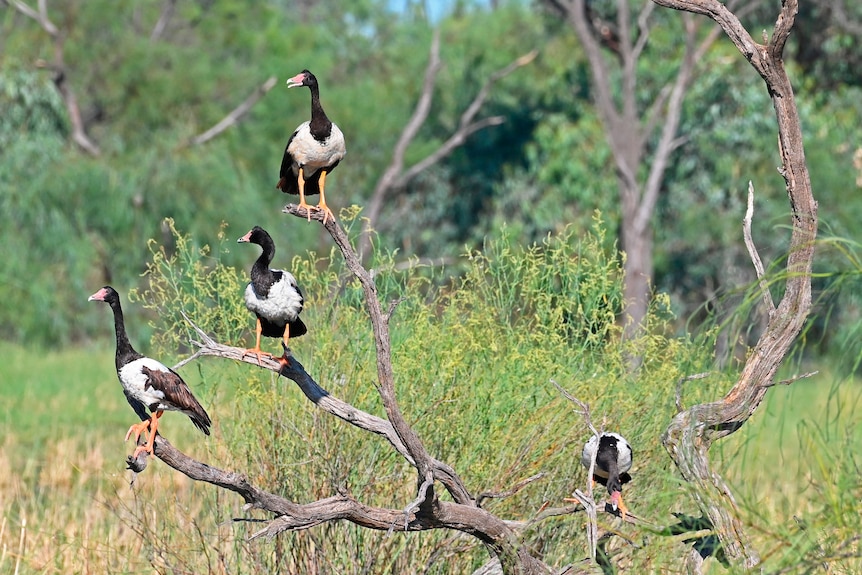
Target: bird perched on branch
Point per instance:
(272, 295)
(613, 460)
(314, 149)
(147, 383)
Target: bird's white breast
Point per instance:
(624, 453)
(135, 381)
(624, 457)
(313, 154)
(282, 304)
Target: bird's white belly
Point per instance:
(135, 382)
(282, 304)
(316, 154)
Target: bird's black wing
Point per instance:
(297, 328)
(287, 180)
(138, 406)
(178, 394)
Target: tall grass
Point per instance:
(473, 364)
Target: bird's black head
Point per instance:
(608, 443)
(256, 235)
(107, 294)
(615, 484)
(304, 78)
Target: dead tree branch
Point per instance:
(692, 432)
(395, 176)
(752, 252)
(61, 72)
(164, 18)
(236, 114)
(509, 492)
(586, 499)
(424, 513)
(426, 510)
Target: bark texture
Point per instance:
(692, 432)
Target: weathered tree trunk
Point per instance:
(637, 243)
(692, 432)
(641, 138)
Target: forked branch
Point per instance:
(395, 175)
(60, 71)
(235, 115)
(692, 432)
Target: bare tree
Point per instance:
(509, 541)
(60, 70)
(396, 175)
(630, 127)
(426, 511)
(693, 431)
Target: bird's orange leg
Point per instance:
(623, 509)
(617, 499)
(148, 446)
(284, 360)
(137, 429)
(256, 351)
(302, 203)
(321, 205)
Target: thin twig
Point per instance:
(752, 252)
(587, 499)
(680, 381)
(395, 175)
(793, 379)
(61, 77)
(236, 114)
(41, 16)
(509, 492)
(164, 18)
(592, 519)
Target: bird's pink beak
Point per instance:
(296, 80)
(98, 296)
(245, 239)
(616, 496)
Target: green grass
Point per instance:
(64, 450)
(47, 395)
(473, 366)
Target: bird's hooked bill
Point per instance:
(296, 80)
(615, 499)
(98, 296)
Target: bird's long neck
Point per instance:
(614, 483)
(320, 125)
(125, 351)
(261, 275)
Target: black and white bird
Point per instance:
(272, 296)
(314, 149)
(613, 460)
(147, 383)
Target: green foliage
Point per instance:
(474, 363)
(31, 106)
(810, 436)
(552, 191)
(191, 280)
